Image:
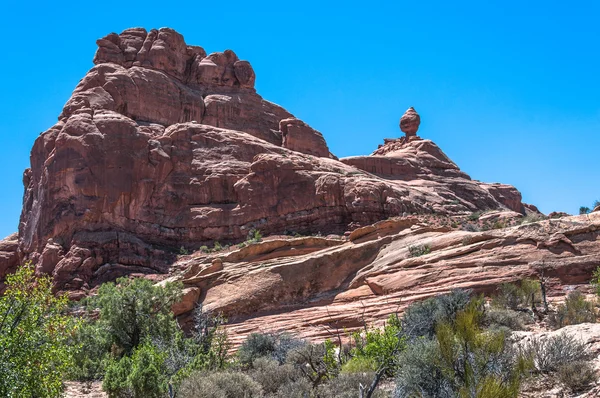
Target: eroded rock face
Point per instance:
(162, 146)
(409, 122)
(299, 136)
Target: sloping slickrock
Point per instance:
(366, 279)
(422, 164)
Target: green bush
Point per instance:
(220, 385)
(419, 250)
(517, 296)
(419, 374)
(462, 360)
(141, 376)
(275, 346)
(575, 310)
(421, 318)
(511, 320)
(584, 210)
(577, 376)
(272, 376)
(316, 362)
(254, 235)
(134, 310)
(34, 337)
(378, 348)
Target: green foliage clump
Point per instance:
(254, 235)
(584, 210)
(475, 216)
(516, 296)
(575, 310)
(34, 337)
(419, 250)
(463, 359)
(420, 319)
(141, 375)
(498, 318)
(377, 349)
(269, 345)
(136, 345)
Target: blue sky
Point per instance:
(510, 90)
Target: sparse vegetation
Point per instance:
(419, 250)
(576, 309)
(584, 210)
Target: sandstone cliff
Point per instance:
(163, 147)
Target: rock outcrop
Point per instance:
(313, 286)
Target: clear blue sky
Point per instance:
(511, 92)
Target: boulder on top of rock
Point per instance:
(409, 122)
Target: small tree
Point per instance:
(34, 332)
(133, 310)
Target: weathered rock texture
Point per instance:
(313, 286)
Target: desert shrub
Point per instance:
(420, 318)
(377, 348)
(316, 362)
(276, 346)
(419, 250)
(93, 352)
(220, 385)
(254, 235)
(514, 296)
(272, 376)
(575, 310)
(255, 346)
(511, 320)
(549, 353)
(462, 360)
(577, 376)
(301, 388)
(584, 210)
(183, 251)
(475, 216)
(419, 375)
(470, 228)
(34, 337)
(217, 247)
(478, 360)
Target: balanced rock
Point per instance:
(409, 122)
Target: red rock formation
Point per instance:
(161, 146)
(310, 286)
